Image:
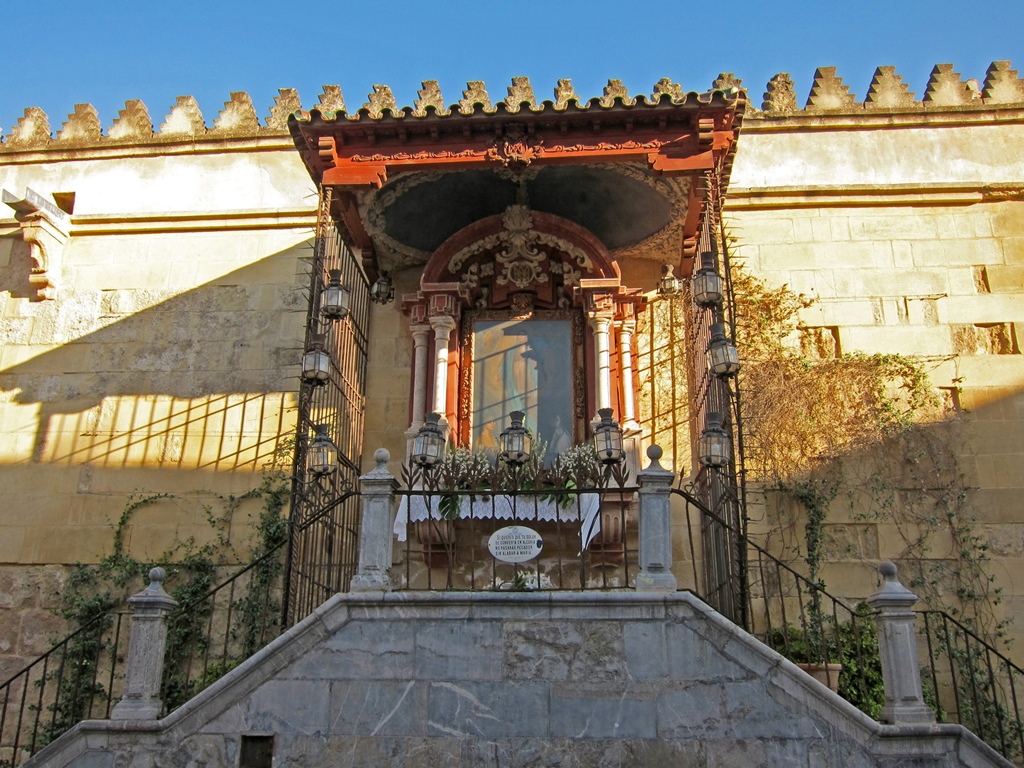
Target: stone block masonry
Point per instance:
(492, 679)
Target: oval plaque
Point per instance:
(515, 544)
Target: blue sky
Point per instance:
(108, 51)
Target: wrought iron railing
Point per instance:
(322, 557)
(79, 678)
(967, 681)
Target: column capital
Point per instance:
(419, 332)
(442, 323)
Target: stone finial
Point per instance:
(382, 98)
(429, 96)
(828, 91)
(474, 94)
(519, 93)
(32, 130)
(133, 122)
(286, 103)
(564, 93)
(725, 81)
(185, 118)
(665, 85)
(331, 100)
(1002, 86)
(82, 125)
(888, 90)
(780, 96)
(945, 88)
(238, 114)
(616, 90)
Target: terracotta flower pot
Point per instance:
(826, 674)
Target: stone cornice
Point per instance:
(766, 198)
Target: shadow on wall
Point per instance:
(198, 380)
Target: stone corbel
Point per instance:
(46, 229)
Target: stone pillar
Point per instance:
(897, 647)
(443, 327)
(655, 527)
(628, 416)
(378, 493)
(420, 336)
(146, 646)
(601, 324)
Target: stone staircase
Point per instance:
(515, 679)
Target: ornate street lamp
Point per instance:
(383, 290)
(668, 285)
(707, 283)
(334, 299)
(322, 452)
(714, 448)
(516, 441)
(316, 363)
(428, 446)
(723, 359)
(608, 439)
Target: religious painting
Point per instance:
(523, 365)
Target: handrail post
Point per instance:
(655, 526)
(375, 543)
(897, 648)
(146, 645)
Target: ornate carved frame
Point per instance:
(579, 386)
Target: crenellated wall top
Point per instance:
(945, 92)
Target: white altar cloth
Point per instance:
(502, 507)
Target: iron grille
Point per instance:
(324, 523)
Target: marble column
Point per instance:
(628, 416)
(420, 337)
(443, 326)
(602, 346)
(655, 526)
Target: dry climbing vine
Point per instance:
(867, 432)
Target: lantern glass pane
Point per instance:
(723, 359)
(321, 457)
(707, 287)
(334, 301)
(316, 365)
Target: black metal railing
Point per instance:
(322, 557)
(78, 679)
(587, 539)
(967, 681)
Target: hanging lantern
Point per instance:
(383, 290)
(516, 441)
(322, 453)
(428, 445)
(669, 283)
(316, 363)
(608, 438)
(334, 299)
(707, 283)
(714, 448)
(723, 359)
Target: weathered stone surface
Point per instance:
(185, 118)
(83, 125)
(32, 130)
(565, 93)
(780, 96)
(828, 91)
(430, 96)
(569, 651)
(285, 104)
(520, 94)
(132, 122)
(475, 94)
(945, 87)
(1002, 85)
(888, 90)
(382, 98)
(616, 90)
(238, 115)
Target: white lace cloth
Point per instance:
(501, 507)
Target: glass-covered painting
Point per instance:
(523, 365)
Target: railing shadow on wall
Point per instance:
(122, 393)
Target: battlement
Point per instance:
(945, 91)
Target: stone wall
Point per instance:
(516, 680)
(909, 239)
